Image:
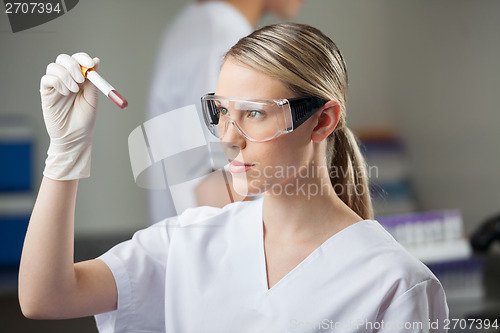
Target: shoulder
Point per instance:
(205, 18)
(201, 226)
(225, 16)
(383, 258)
(206, 214)
(155, 240)
(399, 277)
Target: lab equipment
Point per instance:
(17, 143)
(462, 279)
(104, 86)
(432, 236)
(257, 120)
(486, 234)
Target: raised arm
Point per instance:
(51, 286)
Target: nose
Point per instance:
(232, 136)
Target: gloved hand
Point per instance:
(69, 104)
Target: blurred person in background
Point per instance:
(188, 63)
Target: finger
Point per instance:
(97, 63)
(90, 94)
(65, 77)
(72, 66)
(83, 59)
(49, 82)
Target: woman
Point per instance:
(305, 257)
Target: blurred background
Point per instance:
(424, 82)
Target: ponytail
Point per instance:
(348, 172)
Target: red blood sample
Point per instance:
(118, 99)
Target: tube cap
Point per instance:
(85, 70)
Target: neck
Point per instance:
(252, 10)
(309, 211)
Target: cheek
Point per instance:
(289, 151)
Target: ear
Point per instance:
(327, 119)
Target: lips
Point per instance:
(239, 167)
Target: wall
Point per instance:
(427, 69)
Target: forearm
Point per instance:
(47, 274)
(50, 284)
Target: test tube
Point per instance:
(104, 86)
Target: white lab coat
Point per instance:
(205, 272)
(187, 67)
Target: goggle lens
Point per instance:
(256, 121)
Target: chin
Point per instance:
(243, 187)
(240, 184)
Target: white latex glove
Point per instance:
(69, 104)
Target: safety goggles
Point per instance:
(257, 120)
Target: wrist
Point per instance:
(69, 164)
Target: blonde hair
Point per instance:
(310, 64)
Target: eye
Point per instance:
(223, 111)
(255, 114)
